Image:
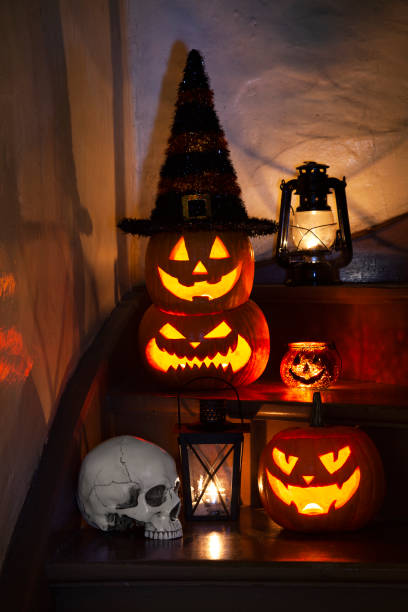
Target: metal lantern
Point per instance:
(211, 460)
(313, 240)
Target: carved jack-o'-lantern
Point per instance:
(321, 478)
(199, 272)
(313, 365)
(232, 345)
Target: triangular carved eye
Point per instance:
(219, 250)
(171, 333)
(286, 464)
(179, 251)
(221, 331)
(331, 464)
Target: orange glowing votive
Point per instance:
(313, 365)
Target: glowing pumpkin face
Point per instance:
(199, 272)
(315, 365)
(232, 345)
(321, 478)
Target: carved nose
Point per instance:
(200, 268)
(308, 479)
(194, 344)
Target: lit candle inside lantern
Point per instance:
(209, 497)
(313, 230)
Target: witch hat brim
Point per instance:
(198, 188)
(252, 226)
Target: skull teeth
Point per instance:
(163, 535)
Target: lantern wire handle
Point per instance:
(208, 378)
(333, 346)
(316, 417)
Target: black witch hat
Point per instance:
(198, 188)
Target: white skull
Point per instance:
(127, 480)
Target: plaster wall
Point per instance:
(62, 177)
(293, 80)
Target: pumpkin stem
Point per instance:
(316, 417)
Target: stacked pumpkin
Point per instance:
(199, 259)
(190, 331)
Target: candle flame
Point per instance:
(212, 491)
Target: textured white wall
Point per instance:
(294, 80)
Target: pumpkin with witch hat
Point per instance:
(199, 258)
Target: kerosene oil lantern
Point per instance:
(313, 240)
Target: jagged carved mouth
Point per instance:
(315, 500)
(234, 358)
(200, 289)
(307, 381)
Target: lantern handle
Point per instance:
(342, 214)
(208, 378)
(283, 227)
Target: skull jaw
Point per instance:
(162, 527)
(159, 525)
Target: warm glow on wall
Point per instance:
(7, 285)
(15, 363)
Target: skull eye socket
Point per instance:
(331, 464)
(171, 333)
(156, 495)
(286, 464)
(132, 501)
(179, 251)
(219, 250)
(221, 331)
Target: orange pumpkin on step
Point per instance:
(232, 345)
(321, 478)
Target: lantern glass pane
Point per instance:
(211, 469)
(313, 230)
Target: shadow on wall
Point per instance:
(321, 80)
(159, 136)
(152, 162)
(118, 70)
(48, 292)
